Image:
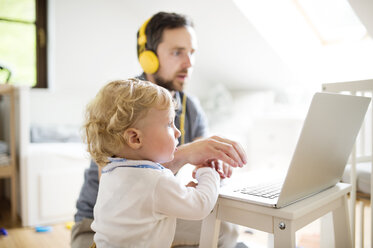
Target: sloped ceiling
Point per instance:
(364, 10)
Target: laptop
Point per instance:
(321, 154)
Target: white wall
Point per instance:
(93, 42)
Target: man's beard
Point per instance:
(168, 84)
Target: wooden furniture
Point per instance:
(10, 170)
(362, 154)
(282, 222)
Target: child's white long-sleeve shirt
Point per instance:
(137, 206)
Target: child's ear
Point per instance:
(133, 138)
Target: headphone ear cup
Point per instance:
(149, 62)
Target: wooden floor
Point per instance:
(21, 237)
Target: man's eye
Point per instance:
(176, 53)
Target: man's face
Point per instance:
(176, 58)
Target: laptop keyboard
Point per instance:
(270, 190)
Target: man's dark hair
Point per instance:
(160, 22)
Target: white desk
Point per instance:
(283, 222)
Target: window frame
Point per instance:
(41, 35)
(41, 44)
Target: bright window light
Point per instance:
(333, 21)
(320, 40)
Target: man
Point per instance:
(166, 46)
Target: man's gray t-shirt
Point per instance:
(195, 126)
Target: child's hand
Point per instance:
(222, 168)
(191, 184)
(206, 164)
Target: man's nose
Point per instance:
(188, 61)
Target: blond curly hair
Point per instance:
(116, 107)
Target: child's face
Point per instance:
(159, 139)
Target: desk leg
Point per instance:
(210, 230)
(342, 231)
(327, 227)
(283, 237)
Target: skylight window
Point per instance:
(321, 41)
(333, 21)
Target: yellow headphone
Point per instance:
(148, 59)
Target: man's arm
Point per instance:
(202, 150)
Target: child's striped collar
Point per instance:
(122, 163)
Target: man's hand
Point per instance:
(209, 149)
(214, 148)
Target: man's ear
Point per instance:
(132, 136)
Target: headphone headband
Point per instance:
(142, 36)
